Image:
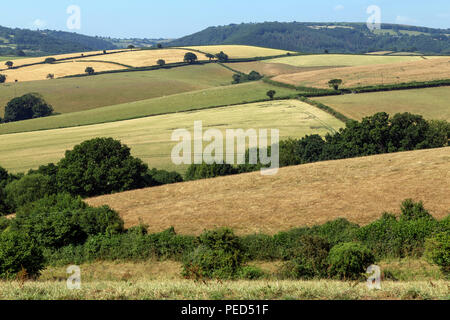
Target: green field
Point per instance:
(78, 94)
(150, 138)
(432, 103)
(208, 98)
(342, 60)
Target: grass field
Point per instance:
(79, 94)
(359, 190)
(155, 280)
(150, 138)
(423, 70)
(341, 60)
(432, 103)
(207, 98)
(240, 51)
(269, 69)
(145, 58)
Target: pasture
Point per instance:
(431, 103)
(195, 100)
(359, 190)
(240, 51)
(79, 94)
(341, 60)
(269, 69)
(422, 70)
(150, 138)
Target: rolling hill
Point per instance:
(359, 190)
(318, 37)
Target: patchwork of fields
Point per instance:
(359, 190)
(424, 70)
(432, 103)
(150, 138)
(79, 94)
(240, 51)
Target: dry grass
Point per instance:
(359, 190)
(432, 103)
(22, 61)
(423, 70)
(238, 51)
(62, 69)
(144, 58)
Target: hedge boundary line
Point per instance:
(326, 108)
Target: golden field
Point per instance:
(240, 51)
(359, 190)
(422, 70)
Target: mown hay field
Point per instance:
(431, 103)
(150, 138)
(240, 51)
(359, 190)
(145, 58)
(59, 70)
(423, 70)
(342, 60)
(79, 94)
(195, 100)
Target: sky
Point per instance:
(177, 18)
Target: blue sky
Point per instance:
(176, 18)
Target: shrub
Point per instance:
(28, 189)
(26, 107)
(4, 224)
(413, 211)
(251, 273)
(206, 171)
(310, 259)
(2, 78)
(337, 231)
(260, 247)
(349, 260)
(100, 166)
(218, 256)
(437, 250)
(161, 177)
(18, 252)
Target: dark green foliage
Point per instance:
(349, 260)
(260, 247)
(190, 57)
(28, 189)
(271, 94)
(414, 211)
(218, 256)
(206, 171)
(50, 60)
(303, 37)
(100, 166)
(337, 231)
(222, 57)
(2, 78)
(335, 83)
(62, 220)
(26, 107)
(18, 252)
(437, 250)
(90, 71)
(251, 273)
(156, 177)
(309, 259)
(242, 77)
(161, 62)
(4, 223)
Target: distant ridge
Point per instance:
(322, 37)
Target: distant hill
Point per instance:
(19, 42)
(319, 37)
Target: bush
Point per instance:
(26, 107)
(218, 256)
(61, 220)
(206, 171)
(310, 260)
(2, 78)
(4, 224)
(260, 247)
(18, 252)
(337, 231)
(413, 211)
(28, 189)
(349, 260)
(251, 273)
(100, 166)
(437, 250)
(156, 177)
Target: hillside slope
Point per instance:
(318, 37)
(358, 189)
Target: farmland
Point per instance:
(269, 69)
(150, 138)
(195, 100)
(79, 94)
(425, 70)
(356, 189)
(239, 51)
(432, 103)
(343, 60)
